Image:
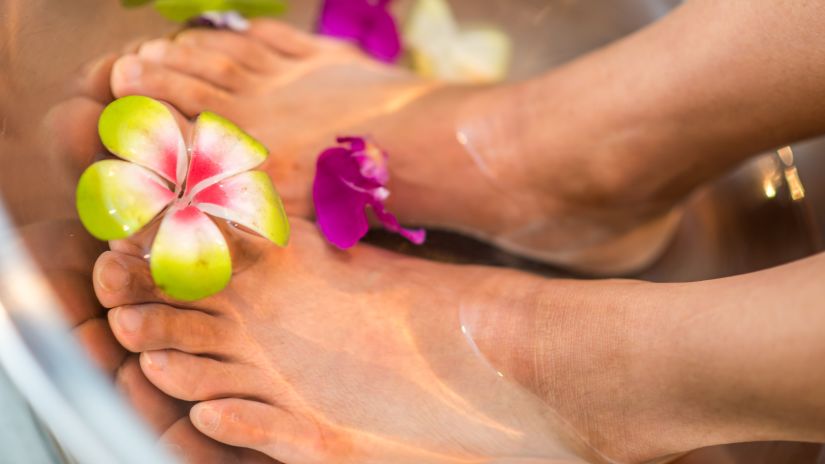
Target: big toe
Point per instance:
(132, 75)
(210, 66)
(121, 279)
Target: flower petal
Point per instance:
(190, 258)
(441, 50)
(144, 131)
(250, 200)
(180, 11)
(115, 199)
(382, 40)
(220, 149)
(338, 207)
(343, 18)
(430, 21)
(480, 55)
(347, 179)
(366, 22)
(390, 222)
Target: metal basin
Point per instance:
(732, 226)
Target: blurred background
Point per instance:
(768, 212)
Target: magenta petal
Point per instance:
(367, 23)
(343, 18)
(382, 40)
(349, 178)
(338, 207)
(355, 143)
(389, 221)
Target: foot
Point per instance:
(296, 92)
(316, 355)
(293, 91)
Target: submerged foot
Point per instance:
(313, 355)
(316, 355)
(292, 91)
(297, 92)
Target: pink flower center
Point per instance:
(202, 168)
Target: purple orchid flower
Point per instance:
(369, 23)
(349, 178)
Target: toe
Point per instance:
(152, 327)
(159, 410)
(283, 38)
(72, 126)
(284, 435)
(196, 378)
(247, 51)
(96, 337)
(76, 295)
(120, 279)
(190, 446)
(133, 76)
(94, 79)
(207, 65)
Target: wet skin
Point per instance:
(296, 93)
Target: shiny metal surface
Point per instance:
(731, 227)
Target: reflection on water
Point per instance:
(766, 213)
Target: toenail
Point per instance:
(114, 276)
(130, 69)
(128, 319)
(208, 419)
(153, 50)
(156, 359)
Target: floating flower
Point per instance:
(201, 11)
(349, 178)
(368, 23)
(441, 49)
(189, 257)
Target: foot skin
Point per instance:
(293, 91)
(315, 355)
(297, 92)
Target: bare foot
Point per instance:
(293, 91)
(297, 92)
(316, 355)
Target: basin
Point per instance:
(59, 408)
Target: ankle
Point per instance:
(535, 136)
(435, 181)
(585, 349)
